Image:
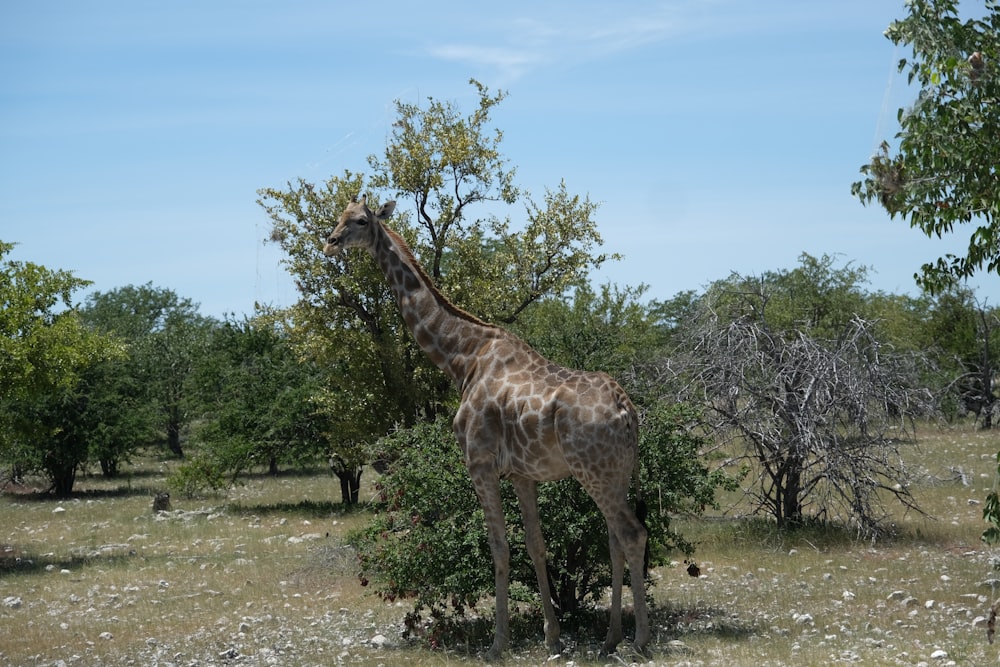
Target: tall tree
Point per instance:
(258, 397)
(47, 357)
(963, 331)
(446, 166)
(165, 334)
(942, 172)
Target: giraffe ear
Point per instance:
(385, 210)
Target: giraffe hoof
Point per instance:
(554, 648)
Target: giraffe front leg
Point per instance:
(488, 489)
(527, 498)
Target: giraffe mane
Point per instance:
(404, 248)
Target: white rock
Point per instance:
(379, 640)
(803, 619)
(939, 654)
(848, 595)
(897, 595)
(13, 602)
(929, 604)
(59, 510)
(106, 636)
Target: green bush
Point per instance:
(428, 540)
(198, 475)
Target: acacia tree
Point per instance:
(822, 416)
(442, 166)
(942, 172)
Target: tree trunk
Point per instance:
(174, 439)
(63, 480)
(350, 484)
(109, 467)
(988, 398)
(791, 490)
(987, 325)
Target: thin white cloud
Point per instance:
(512, 62)
(513, 47)
(575, 34)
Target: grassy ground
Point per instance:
(261, 577)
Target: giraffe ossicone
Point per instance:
(521, 418)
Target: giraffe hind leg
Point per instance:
(627, 539)
(617, 575)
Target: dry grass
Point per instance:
(261, 577)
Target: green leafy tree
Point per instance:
(943, 171)
(48, 357)
(964, 332)
(165, 336)
(606, 330)
(446, 165)
(817, 296)
(119, 416)
(259, 400)
(124, 390)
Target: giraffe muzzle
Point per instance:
(332, 246)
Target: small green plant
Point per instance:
(198, 475)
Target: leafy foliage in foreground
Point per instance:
(428, 539)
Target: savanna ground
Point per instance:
(262, 577)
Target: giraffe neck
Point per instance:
(447, 334)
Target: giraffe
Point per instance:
(521, 418)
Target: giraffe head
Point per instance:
(356, 228)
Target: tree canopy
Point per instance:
(942, 170)
(48, 358)
(448, 174)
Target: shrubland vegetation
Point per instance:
(800, 387)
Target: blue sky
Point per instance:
(718, 135)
